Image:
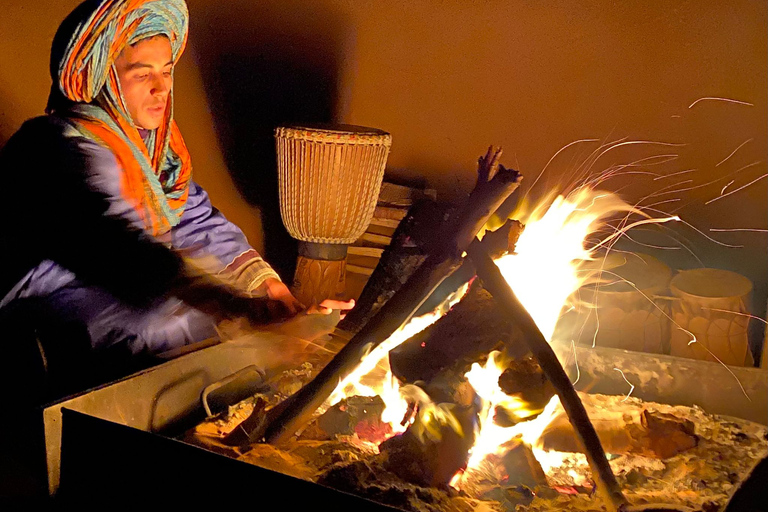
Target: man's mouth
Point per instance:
(157, 110)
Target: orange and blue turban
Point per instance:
(86, 89)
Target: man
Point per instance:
(106, 236)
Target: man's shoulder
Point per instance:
(54, 137)
(42, 130)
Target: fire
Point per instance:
(552, 260)
(551, 255)
(375, 371)
(485, 380)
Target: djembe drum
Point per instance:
(713, 305)
(329, 178)
(627, 313)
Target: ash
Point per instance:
(702, 477)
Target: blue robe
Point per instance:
(76, 252)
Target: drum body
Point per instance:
(712, 305)
(625, 312)
(329, 178)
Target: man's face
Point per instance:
(144, 70)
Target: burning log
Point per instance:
(554, 371)
(468, 332)
(608, 486)
(525, 380)
(643, 432)
(494, 185)
(358, 415)
(405, 253)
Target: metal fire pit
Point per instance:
(118, 440)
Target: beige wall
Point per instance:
(449, 78)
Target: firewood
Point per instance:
(542, 351)
(643, 432)
(465, 334)
(400, 259)
(514, 465)
(360, 415)
(494, 185)
(524, 379)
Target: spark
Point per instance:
(728, 100)
(632, 386)
(694, 340)
(634, 225)
(734, 151)
(616, 170)
(555, 155)
(674, 174)
(702, 233)
(662, 191)
(725, 187)
(666, 190)
(657, 203)
(576, 363)
(604, 149)
(652, 246)
(738, 189)
(757, 230)
(740, 313)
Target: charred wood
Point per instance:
(431, 451)
(400, 259)
(494, 185)
(524, 379)
(467, 333)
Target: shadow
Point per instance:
(263, 66)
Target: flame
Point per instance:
(373, 376)
(491, 436)
(549, 264)
(552, 261)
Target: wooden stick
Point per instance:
(495, 283)
(494, 185)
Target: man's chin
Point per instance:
(148, 124)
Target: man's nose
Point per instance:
(158, 85)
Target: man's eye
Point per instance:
(143, 76)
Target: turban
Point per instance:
(155, 170)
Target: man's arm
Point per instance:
(58, 205)
(206, 236)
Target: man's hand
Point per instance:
(276, 290)
(328, 305)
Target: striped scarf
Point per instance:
(86, 90)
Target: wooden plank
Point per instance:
(403, 195)
(356, 269)
(373, 252)
(389, 212)
(387, 223)
(376, 239)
